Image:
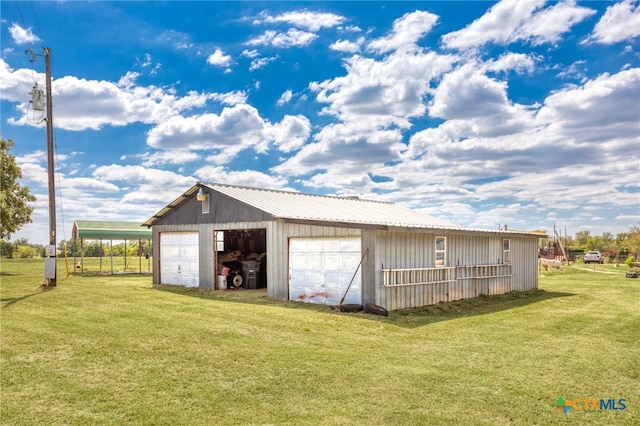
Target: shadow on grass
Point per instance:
(417, 317)
(409, 318)
(8, 301)
(9, 274)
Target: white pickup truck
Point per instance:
(593, 257)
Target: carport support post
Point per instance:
(101, 255)
(82, 256)
(150, 254)
(140, 256)
(75, 249)
(111, 250)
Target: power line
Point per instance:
(35, 18)
(20, 13)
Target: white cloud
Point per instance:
(285, 97)
(239, 125)
(604, 109)
(261, 62)
(620, 22)
(252, 178)
(174, 156)
(563, 146)
(128, 80)
(179, 41)
(518, 62)
(477, 104)
(219, 59)
(16, 84)
(389, 91)
(290, 133)
(312, 21)
(292, 38)
(89, 104)
(230, 98)
(339, 146)
(22, 35)
(146, 185)
(347, 46)
(236, 128)
(510, 21)
(406, 32)
(75, 185)
(576, 70)
(253, 53)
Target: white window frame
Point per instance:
(506, 250)
(441, 253)
(219, 241)
(205, 204)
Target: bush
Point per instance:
(630, 261)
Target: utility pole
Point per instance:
(50, 270)
(50, 251)
(51, 166)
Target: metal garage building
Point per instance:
(311, 248)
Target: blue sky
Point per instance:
(483, 113)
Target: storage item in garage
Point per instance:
(222, 282)
(250, 269)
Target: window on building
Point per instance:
(205, 204)
(506, 250)
(219, 236)
(441, 251)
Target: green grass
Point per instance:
(116, 350)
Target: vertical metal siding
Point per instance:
(277, 261)
(401, 250)
(387, 249)
(369, 266)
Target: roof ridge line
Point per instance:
(335, 197)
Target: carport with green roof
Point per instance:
(93, 230)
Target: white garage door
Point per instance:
(179, 258)
(320, 270)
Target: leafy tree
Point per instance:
(582, 237)
(71, 246)
(131, 249)
(594, 243)
(621, 242)
(14, 198)
(7, 249)
(25, 252)
(146, 249)
(93, 249)
(630, 261)
(607, 240)
(633, 241)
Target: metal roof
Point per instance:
(95, 230)
(323, 208)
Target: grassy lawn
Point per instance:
(116, 350)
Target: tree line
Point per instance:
(614, 247)
(22, 249)
(618, 246)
